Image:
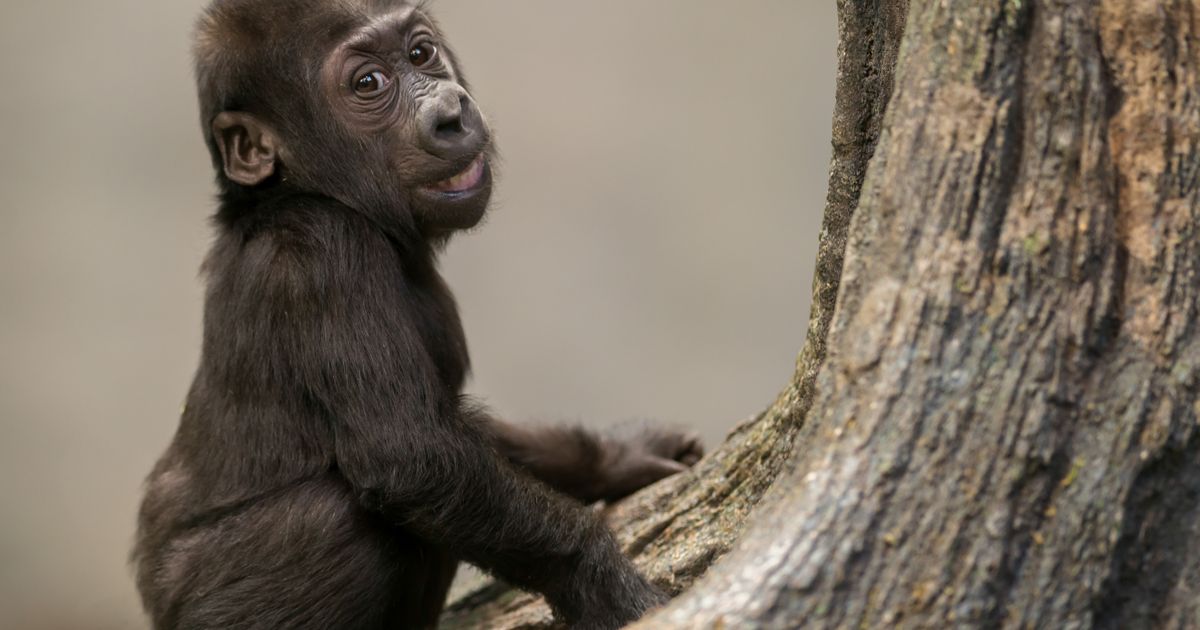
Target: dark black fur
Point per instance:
(326, 472)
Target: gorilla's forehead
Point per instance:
(278, 23)
(334, 21)
(384, 6)
(381, 28)
(368, 10)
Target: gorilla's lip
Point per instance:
(466, 180)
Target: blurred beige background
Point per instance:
(649, 253)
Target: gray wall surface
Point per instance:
(649, 252)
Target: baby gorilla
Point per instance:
(327, 472)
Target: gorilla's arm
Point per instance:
(592, 467)
(410, 450)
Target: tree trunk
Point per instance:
(994, 419)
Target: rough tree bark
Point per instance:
(994, 419)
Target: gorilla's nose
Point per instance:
(450, 124)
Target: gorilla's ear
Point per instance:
(248, 147)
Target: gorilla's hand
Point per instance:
(639, 459)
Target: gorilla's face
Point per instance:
(393, 87)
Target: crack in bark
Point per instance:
(1161, 515)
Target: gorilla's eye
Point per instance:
(371, 82)
(422, 54)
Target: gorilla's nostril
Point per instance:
(451, 120)
(449, 128)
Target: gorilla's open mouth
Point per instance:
(467, 180)
(459, 201)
